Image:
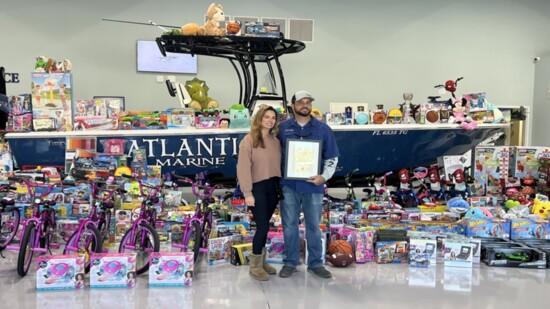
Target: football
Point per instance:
(340, 259)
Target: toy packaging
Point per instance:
(60, 272)
(180, 118)
(239, 254)
(516, 257)
(395, 252)
(335, 118)
(527, 162)
(265, 30)
(458, 254)
(477, 101)
(114, 105)
(364, 246)
(171, 269)
(275, 247)
(112, 270)
(219, 249)
(476, 255)
(486, 227)
(52, 99)
(525, 228)
(491, 166)
(422, 252)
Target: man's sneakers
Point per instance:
(320, 272)
(287, 271)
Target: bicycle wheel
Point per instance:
(9, 226)
(103, 225)
(192, 240)
(206, 228)
(144, 241)
(49, 228)
(26, 251)
(86, 242)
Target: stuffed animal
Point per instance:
(189, 29)
(460, 114)
(214, 17)
(239, 116)
(40, 65)
(198, 90)
(541, 208)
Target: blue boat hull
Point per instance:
(370, 149)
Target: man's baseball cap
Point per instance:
(302, 94)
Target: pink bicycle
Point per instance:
(198, 227)
(9, 218)
(91, 231)
(39, 229)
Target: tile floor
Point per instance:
(358, 286)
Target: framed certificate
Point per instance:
(303, 158)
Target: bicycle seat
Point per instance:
(108, 205)
(6, 201)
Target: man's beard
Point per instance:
(303, 114)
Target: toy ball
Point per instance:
(432, 116)
(379, 117)
(340, 246)
(340, 259)
(233, 27)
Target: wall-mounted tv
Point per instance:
(149, 59)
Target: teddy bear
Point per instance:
(212, 26)
(459, 114)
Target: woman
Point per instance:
(258, 171)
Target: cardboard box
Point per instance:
(239, 254)
(171, 269)
(60, 272)
(112, 270)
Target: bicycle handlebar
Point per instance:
(33, 185)
(196, 188)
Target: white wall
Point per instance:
(541, 103)
(364, 50)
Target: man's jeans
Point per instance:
(312, 206)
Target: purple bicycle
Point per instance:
(199, 226)
(91, 231)
(39, 229)
(142, 237)
(9, 218)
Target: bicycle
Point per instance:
(9, 219)
(38, 230)
(91, 231)
(405, 193)
(142, 236)
(199, 226)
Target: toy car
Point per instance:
(516, 256)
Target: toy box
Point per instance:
(422, 252)
(527, 162)
(171, 269)
(525, 228)
(275, 247)
(22, 122)
(516, 257)
(396, 252)
(486, 227)
(60, 272)
(476, 254)
(477, 101)
(364, 246)
(491, 166)
(458, 254)
(239, 254)
(111, 270)
(180, 118)
(208, 120)
(219, 249)
(52, 98)
(259, 29)
(335, 118)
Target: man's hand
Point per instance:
(250, 201)
(316, 180)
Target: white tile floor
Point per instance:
(358, 286)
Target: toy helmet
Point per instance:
(458, 175)
(404, 176)
(433, 175)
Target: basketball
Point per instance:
(340, 246)
(432, 116)
(340, 259)
(233, 27)
(379, 117)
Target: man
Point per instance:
(305, 195)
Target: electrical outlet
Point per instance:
(160, 78)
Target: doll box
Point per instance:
(422, 252)
(171, 269)
(275, 247)
(112, 270)
(239, 254)
(60, 272)
(458, 254)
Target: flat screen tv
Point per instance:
(149, 59)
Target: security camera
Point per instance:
(537, 59)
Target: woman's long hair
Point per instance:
(256, 128)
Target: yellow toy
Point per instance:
(212, 26)
(541, 208)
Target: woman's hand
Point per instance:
(250, 201)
